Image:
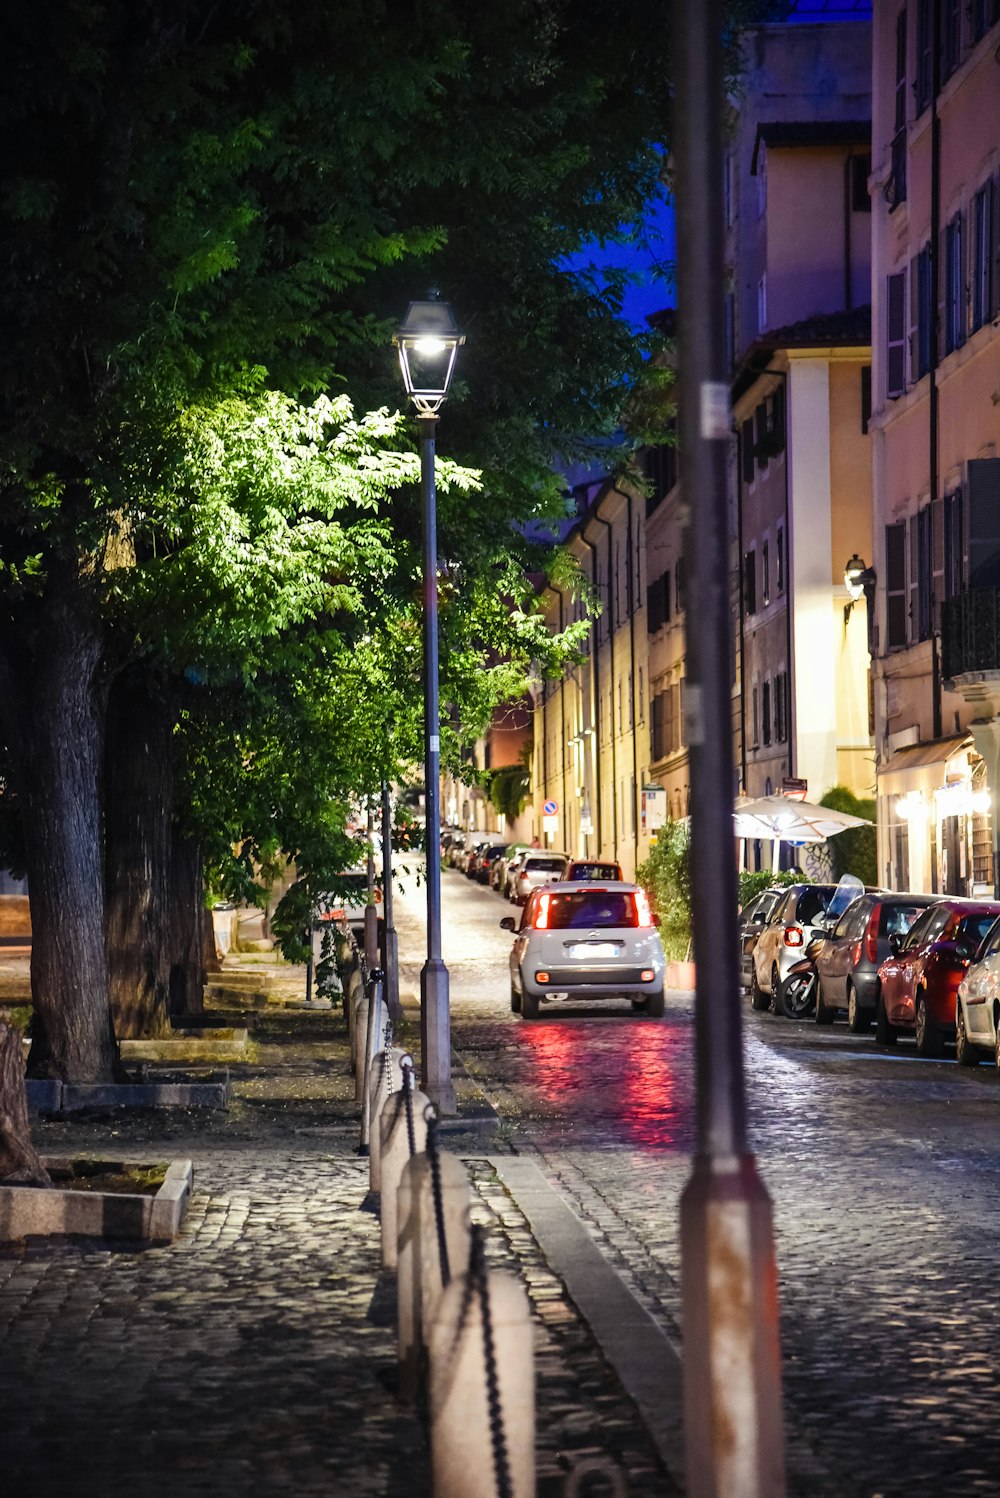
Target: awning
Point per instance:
(921, 766)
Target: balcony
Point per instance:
(970, 632)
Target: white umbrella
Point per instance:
(780, 819)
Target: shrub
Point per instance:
(666, 878)
(752, 881)
(853, 851)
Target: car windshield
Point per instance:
(591, 908)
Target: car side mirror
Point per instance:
(507, 924)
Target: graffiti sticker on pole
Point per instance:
(550, 809)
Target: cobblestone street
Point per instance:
(257, 1353)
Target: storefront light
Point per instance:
(912, 807)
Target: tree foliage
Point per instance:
(853, 851)
(666, 878)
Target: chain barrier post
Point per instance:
(482, 1386)
(434, 1156)
(395, 1152)
(408, 1087)
(387, 1079)
(373, 1018)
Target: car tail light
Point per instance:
(541, 977)
(793, 936)
(855, 954)
(871, 933)
(647, 975)
(642, 912)
(541, 921)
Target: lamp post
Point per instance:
(859, 581)
(428, 341)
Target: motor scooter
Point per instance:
(798, 992)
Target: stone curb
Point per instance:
(31, 1211)
(70, 1097)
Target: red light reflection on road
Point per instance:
(641, 1083)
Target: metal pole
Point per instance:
(435, 1018)
(371, 910)
(732, 1384)
(310, 929)
(390, 941)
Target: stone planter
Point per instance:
(32, 1211)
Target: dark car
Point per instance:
(848, 961)
(918, 983)
(484, 866)
(752, 919)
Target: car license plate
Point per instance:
(594, 949)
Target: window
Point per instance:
(984, 269)
(895, 191)
(895, 584)
(951, 36)
(642, 698)
(954, 544)
(754, 717)
(920, 313)
(761, 449)
(679, 588)
(765, 712)
(779, 559)
(900, 120)
(920, 574)
(765, 572)
(762, 180)
(747, 465)
(895, 363)
(750, 582)
(954, 286)
(866, 397)
(985, 13)
(861, 169)
(925, 72)
(781, 707)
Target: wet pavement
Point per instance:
(257, 1353)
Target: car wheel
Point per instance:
(930, 1041)
(966, 1054)
(654, 1005)
(758, 998)
(885, 1034)
(529, 1005)
(858, 1019)
(825, 1015)
(515, 1000)
(795, 997)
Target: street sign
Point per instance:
(550, 809)
(654, 807)
(550, 824)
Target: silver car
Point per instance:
(586, 941)
(536, 868)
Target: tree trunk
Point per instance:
(54, 719)
(188, 918)
(138, 814)
(20, 1165)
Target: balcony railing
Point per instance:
(970, 632)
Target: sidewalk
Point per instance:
(257, 1352)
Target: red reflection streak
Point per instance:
(642, 1092)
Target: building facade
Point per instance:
(936, 435)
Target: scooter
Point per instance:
(798, 992)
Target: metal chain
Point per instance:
(498, 1440)
(408, 1092)
(435, 1159)
(387, 1058)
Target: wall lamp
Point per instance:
(859, 580)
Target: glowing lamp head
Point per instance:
(427, 341)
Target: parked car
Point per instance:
(586, 941)
(469, 861)
(508, 864)
(848, 961)
(486, 864)
(977, 1013)
(752, 919)
(347, 902)
(601, 869)
(790, 927)
(455, 848)
(536, 868)
(918, 983)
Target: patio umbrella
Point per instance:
(780, 819)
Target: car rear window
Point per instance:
(545, 865)
(896, 920)
(976, 926)
(591, 908)
(583, 871)
(811, 902)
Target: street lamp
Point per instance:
(859, 581)
(427, 342)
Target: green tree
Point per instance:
(853, 851)
(666, 878)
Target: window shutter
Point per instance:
(913, 610)
(914, 319)
(937, 561)
(760, 425)
(750, 582)
(895, 584)
(746, 451)
(895, 336)
(984, 522)
(954, 545)
(995, 268)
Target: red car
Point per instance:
(918, 984)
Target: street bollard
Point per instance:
(354, 990)
(377, 1031)
(482, 1389)
(394, 1152)
(419, 1280)
(386, 1079)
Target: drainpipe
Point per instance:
(631, 601)
(595, 694)
(562, 700)
(611, 658)
(937, 270)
